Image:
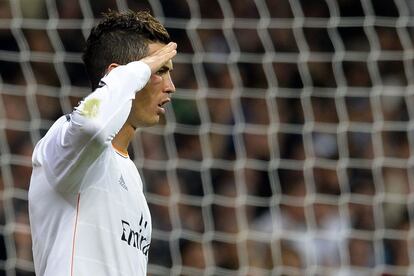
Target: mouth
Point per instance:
(160, 105)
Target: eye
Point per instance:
(162, 71)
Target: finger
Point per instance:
(157, 59)
(167, 48)
(170, 45)
(166, 57)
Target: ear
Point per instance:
(110, 67)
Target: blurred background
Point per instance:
(285, 151)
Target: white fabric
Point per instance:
(88, 213)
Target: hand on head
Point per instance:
(157, 59)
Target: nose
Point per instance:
(169, 86)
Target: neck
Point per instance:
(123, 138)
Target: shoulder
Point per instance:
(51, 134)
(58, 124)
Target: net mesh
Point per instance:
(286, 150)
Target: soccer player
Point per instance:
(88, 213)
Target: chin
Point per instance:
(150, 122)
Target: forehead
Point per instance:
(155, 46)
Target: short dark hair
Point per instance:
(120, 37)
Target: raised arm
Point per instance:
(78, 142)
(105, 111)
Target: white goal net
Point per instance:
(286, 149)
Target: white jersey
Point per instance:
(88, 213)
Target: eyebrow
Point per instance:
(165, 68)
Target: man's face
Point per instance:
(148, 104)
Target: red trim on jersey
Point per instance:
(74, 235)
(121, 152)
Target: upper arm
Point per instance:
(72, 145)
(66, 153)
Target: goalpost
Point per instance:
(286, 149)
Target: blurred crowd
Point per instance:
(297, 164)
